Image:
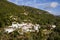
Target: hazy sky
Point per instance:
(53, 6)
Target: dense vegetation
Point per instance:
(10, 12)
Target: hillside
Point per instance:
(22, 13)
(10, 13)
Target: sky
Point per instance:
(52, 6)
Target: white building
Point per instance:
(26, 27)
(9, 30)
(36, 27)
(53, 26)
